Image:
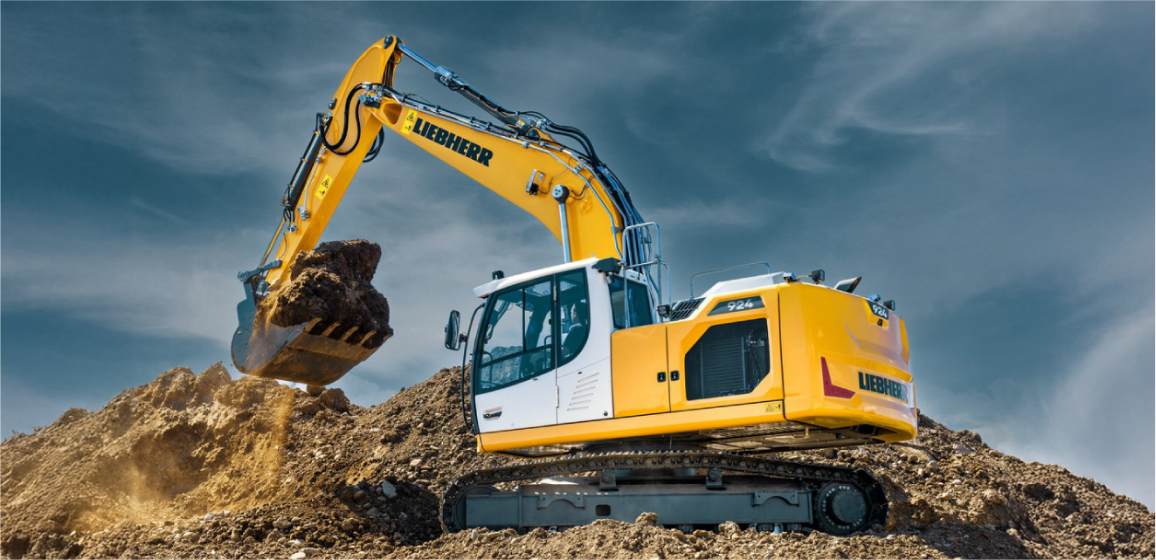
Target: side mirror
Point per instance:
(454, 331)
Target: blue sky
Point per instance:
(990, 166)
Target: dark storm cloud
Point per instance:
(988, 165)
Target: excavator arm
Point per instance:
(522, 158)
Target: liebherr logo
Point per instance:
(882, 385)
(446, 139)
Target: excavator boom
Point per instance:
(568, 190)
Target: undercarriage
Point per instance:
(686, 489)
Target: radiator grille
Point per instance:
(729, 359)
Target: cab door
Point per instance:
(514, 381)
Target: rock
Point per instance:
(349, 525)
(729, 528)
(1038, 492)
(388, 489)
(71, 415)
(335, 400)
(314, 390)
(299, 555)
(647, 518)
(307, 407)
(415, 462)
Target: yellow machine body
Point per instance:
(795, 405)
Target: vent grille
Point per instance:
(729, 359)
(684, 308)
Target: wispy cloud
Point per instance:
(156, 211)
(156, 288)
(1097, 419)
(898, 69)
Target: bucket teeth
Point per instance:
(355, 335)
(317, 327)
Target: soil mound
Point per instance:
(334, 283)
(193, 466)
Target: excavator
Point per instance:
(619, 399)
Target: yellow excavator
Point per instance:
(625, 401)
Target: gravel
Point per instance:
(201, 465)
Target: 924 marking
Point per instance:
(742, 304)
(879, 311)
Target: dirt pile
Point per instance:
(205, 466)
(334, 283)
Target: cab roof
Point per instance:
(492, 286)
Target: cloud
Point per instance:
(157, 212)
(157, 288)
(194, 96)
(903, 69)
(719, 212)
(1096, 420)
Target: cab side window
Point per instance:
(574, 311)
(640, 313)
(517, 341)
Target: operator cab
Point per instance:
(544, 336)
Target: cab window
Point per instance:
(640, 313)
(517, 341)
(574, 312)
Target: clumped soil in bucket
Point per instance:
(334, 283)
(201, 465)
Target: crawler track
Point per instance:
(809, 475)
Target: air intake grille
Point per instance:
(729, 359)
(684, 308)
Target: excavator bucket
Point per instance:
(316, 352)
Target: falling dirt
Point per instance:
(333, 283)
(196, 466)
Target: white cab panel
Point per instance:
(526, 404)
(584, 388)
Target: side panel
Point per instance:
(682, 336)
(521, 405)
(638, 355)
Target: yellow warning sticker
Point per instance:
(410, 119)
(774, 407)
(323, 187)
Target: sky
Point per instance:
(987, 165)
